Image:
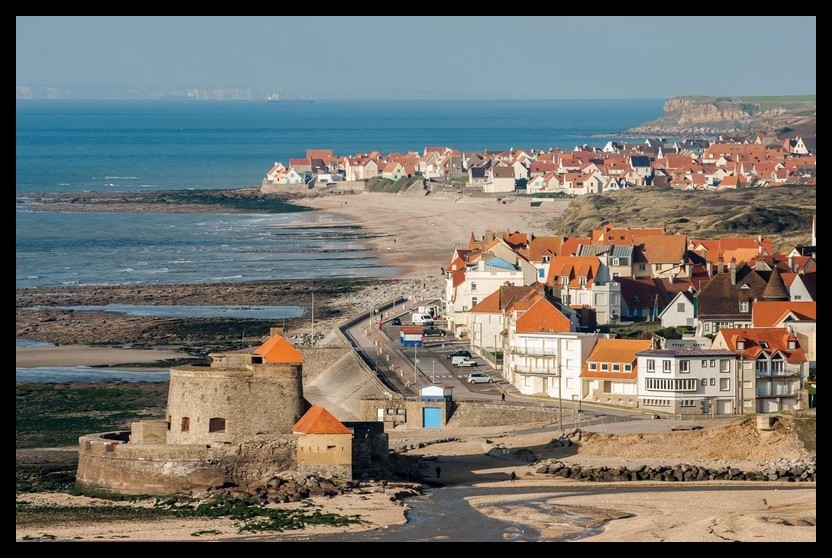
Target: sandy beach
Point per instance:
(84, 355)
(418, 234)
(548, 506)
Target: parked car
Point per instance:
(479, 378)
(396, 321)
(459, 353)
(434, 331)
(462, 362)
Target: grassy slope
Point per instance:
(782, 213)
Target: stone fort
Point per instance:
(240, 420)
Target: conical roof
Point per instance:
(776, 288)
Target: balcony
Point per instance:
(533, 351)
(776, 392)
(527, 369)
(776, 374)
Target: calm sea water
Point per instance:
(77, 146)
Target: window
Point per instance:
(216, 424)
(473, 301)
(583, 281)
(704, 363)
(651, 365)
(641, 267)
(707, 326)
(593, 366)
(605, 367)
(680, 306)
(616, 261)
(684, 366)
(541, 273)
(473, 286)
(666, 366)
(616, 368)
(743, 306)
(713, 381)
(764, 344)
(713, 363)
(564, 280)
(724, 384)
(704, 382)
(635, 297)
(186, 424)
(792, 344)
(687, 403)
(740, 345)
(724, 365)
(628, 368)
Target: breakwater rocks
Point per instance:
(781, 470)
(419, 445)
(292, 487)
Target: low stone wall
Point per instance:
(163, 469)
(486, 413)
(783, 470)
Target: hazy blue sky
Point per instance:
(529, 57)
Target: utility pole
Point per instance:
(560, 395)
(313, 314)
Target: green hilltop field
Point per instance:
(783, 213)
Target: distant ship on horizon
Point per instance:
(275, 98)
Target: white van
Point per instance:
(421, 318)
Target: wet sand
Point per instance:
(84, 355)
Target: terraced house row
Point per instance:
(547, 305)
(725, 163)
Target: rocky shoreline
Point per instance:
(335, 301)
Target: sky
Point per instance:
(416, 57)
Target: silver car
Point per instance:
(479, 378)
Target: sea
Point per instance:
(109, 146)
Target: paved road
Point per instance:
(395, 366)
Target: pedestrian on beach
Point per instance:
(438, 471)
(513, 476)
(503, 397)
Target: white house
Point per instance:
(546, 362)
(688, 381)
(680, 311)
(290, 177)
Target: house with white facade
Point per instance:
(544, 362)
(610, 373)
(681, 311)
(772, 366)
(688, 381)
(586, 281)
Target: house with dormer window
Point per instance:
(772, 366)
(610, 373)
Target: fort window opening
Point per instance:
(216, 424)
(186, 424)
(257, 360)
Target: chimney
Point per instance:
(688, 269)
(719, 263)
(710, 266)
(759, 244)
(792, 267)
(732, 267)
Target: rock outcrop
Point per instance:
(706, 116)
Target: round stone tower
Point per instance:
(238, 396)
